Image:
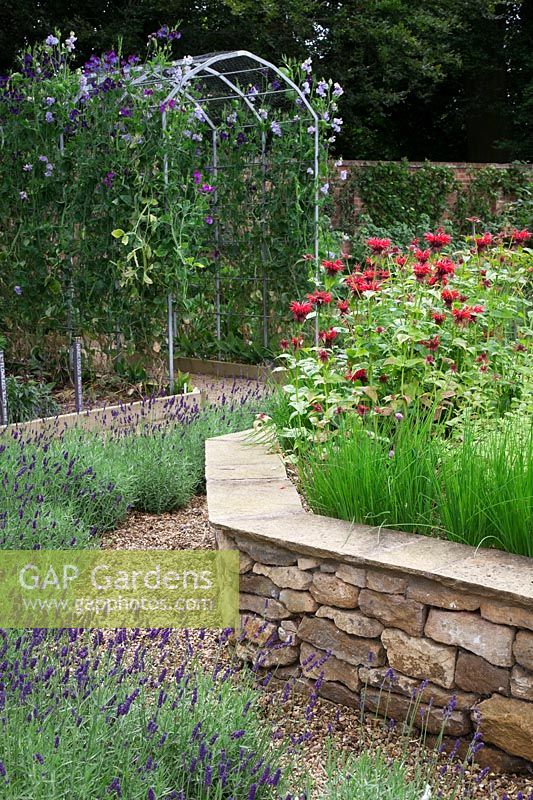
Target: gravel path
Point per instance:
(189, 528)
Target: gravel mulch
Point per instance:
(189, 528)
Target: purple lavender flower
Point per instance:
(115, 787)
(108, 179)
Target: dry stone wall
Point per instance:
(371, 631)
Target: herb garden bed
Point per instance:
(151, 411)
(393, 609)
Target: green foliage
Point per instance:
(28, 399)
(369, 776)
(64, 492)
(112, 201)
(401, 202)
(485, 190)
(393, 193)
(446, 79)
(133, 715)
(476, 487)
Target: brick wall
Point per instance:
(464, 172)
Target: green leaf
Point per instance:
(118, 233)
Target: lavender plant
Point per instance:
(91, 716)
(63, 491)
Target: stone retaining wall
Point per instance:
(453, 624)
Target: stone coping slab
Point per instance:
(249, 493)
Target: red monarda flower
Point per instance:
(519, 237)
(484, 241)
(333, 267)
(438, 317)
(343, 306)
(466, 314)
(297, 342)
(317, 407)
(437, 240)
(383, 378)
(284, 344)
(308, 257)
(378, 245)
(432, 344)
(362, 410)
(358, 375)
(401, 260)
(358, 284)
(323, 355)
(300, 310)
(444, 267)
(319, 298)
(421, 255)
(421, 271)
(449, 296)
(328, 336)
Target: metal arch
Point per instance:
(233, 86)
(206, 65)
(246, 54)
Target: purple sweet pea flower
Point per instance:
(17, 290)
(51, 40)
(49, 117)
(209, 220)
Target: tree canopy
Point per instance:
(438, 79)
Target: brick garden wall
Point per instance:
(463, 172)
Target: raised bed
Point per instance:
(126, 415)
(225, 369)
(449, 621)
